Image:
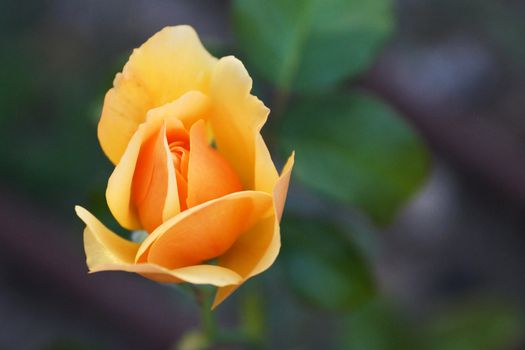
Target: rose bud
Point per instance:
(191, 169)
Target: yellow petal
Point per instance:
(171, 63)
(236, 120)
(106, 251)
(118, 191)
(256, 250)
(207, 274)
(197, 274)
(188, 108)
(280, 189)
(204, 231)
(103, 246)
(265, 173)
(279, 198)
(247, 251)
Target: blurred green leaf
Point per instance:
(309, 45)
(355, 149)
(478, 326)
(323, 267)
(472, 326)
(48, 143)
(378, 326)
(16, 69)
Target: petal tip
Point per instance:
(181, 27)
(81, 212)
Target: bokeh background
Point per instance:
(405, 225)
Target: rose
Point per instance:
(191, 169)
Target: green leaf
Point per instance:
(357, 150)
(310, 45)
(322, 266)
(476, 326)
(378, 326)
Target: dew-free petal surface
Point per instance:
(118, 191)
(204, 232)
(265, 173)
(188, 108)
(255, 251)
(236, 120)
(197, 274)
(280, 190)
(209, 174)
(103, 246)
(152, 179)
(106, 251)
(247, 251)
(169, 64)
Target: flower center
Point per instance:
(180, 151)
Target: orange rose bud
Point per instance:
(191, 169)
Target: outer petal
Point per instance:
(255, 251)
(106, 251)
(236, 121)
(104, 246)
(280, 189)
(244, 255)
(205, 231)
(169, 64)
(118, 192)
(209, 174)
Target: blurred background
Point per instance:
(404, 227)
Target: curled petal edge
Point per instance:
(239, 261)
(106, 251)
(166, 226)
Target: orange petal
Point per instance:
(154, 153)
(236, 120)
(204, 232)
(209, 174)
(106, 251)
(171, 63)
(153, 171)
(256, 250)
